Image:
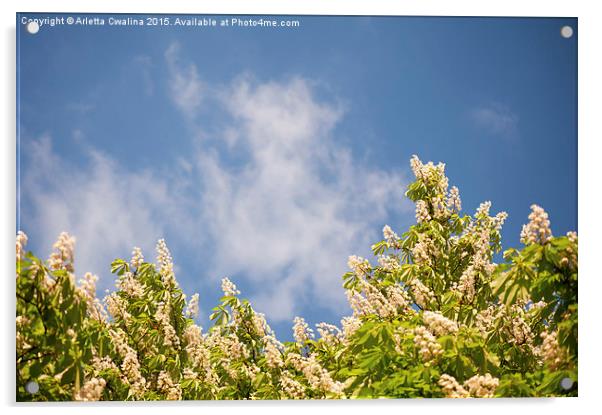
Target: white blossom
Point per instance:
(189, 374)
(550, 350)
(22, 343)
(130, 367)
(359, 304)
(230, 345)
(483, 210)
(417, 167)
(422, 294)
(91, 390)
(192, 309)
(192, 335)
(429, 173)
(499, 219)
(388, 262)
(467, 284)
(359, 265)
(440, 210)
(229, 288)
(397, 297)
(329, 333)
(391, 237)
(165, 264)
(439, 324)
(519, 331)
(137, 258)
(63, 256)
(260, 325)
(170, 338)
(422, 212)
(378, 302)
(20, 244)
(350, 325)
(87, 291)
(451, 387)
(538, 229)
(102, 364)
(198, 352)
(291, 387)
(572, 236)
(117, 307)
(454, 203)
(301, 331)
(317, 377)
(273, 355)
(88, 285)
(166, 385)
(130, 285)
(427, 344)
(486, 319)
(482, 386)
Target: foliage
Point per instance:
(434, 318)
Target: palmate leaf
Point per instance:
(119, 267)
(220, 315)
(379, 248)
(513, 385)
(511, 286)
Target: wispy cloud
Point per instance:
(185, 87)
(274, 200)
(287, 217)
(496, 119)
(109, 210)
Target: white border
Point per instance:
(590, 68)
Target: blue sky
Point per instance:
(270, 155)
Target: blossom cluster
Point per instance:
(63, 255)
(392, 239)
(477, 386)
(439, 324)
(130, 366)
(432, 175)
(370, 300)
(21, 243)
(538, 229)
(302, 332)
(229, 288)
(165, 264)
(427, 345)
(92, 390)
(550, 350)
(432, 287)
(166, 385)
(316, 375)
(137, 257)
(359, 266)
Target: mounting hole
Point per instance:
(566, 383)
(32, 387)
(33, 27)
(566, 32)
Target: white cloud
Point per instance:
(299, 205)
(107, 209)
(284, 216)
(185, 87)
(496, 119)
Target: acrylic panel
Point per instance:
(215, 207)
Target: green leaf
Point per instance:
(119, 267)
